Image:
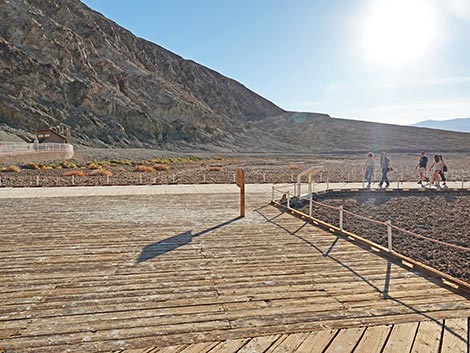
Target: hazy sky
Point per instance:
(392, 61)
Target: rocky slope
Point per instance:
(63, 63)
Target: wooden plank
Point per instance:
(401, 338)
(203, 347)
(316, 342)
(373, 339)
(428, 337)
(289, 344)
(345, 340)
(230, 346)
(260, 344)
(456, 336)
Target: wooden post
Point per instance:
(272, 196)
(341, 217)
(310, 206)
(389, 235)
(241, 185)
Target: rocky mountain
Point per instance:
(461, 124)
(63, 63)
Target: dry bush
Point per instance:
(161, 167)
(294, 167)
(216, 169)
(34, 166)
(92, 166)
(2, 169)
(13, 169)
(68, 165)
(101, 172)
(78, 173)
(144, 169)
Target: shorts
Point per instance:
(422, 169)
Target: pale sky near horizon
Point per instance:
(390, 61)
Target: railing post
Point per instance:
(288, 199)
(310, 183)
(389, 235)
(310, 206)
(272, 195)
(73, 179)
(327, 183)
(341, 217)
(37, 180)
(264, 177)
(321, 177)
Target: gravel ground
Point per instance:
(210, 169)
(442, 216)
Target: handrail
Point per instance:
(19, 147)
(388, 224)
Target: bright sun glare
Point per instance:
(399, 33)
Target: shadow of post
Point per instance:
(161, 247)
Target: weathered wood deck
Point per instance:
(138, 273)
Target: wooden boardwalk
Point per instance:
(179, 273)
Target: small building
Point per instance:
(53, 134)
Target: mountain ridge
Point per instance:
(457, 124)
(64, 63)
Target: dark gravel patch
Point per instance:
(441, 215)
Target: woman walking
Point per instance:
(369, 168)
(443, 170)
(438, 166)
(386, 167)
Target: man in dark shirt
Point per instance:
(422, 165)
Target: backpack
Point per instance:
(444, 168)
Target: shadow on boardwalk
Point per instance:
(161, 247)
(384, 293)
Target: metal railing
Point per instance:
(23, 147)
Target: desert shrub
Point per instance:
(92, 166)
(68, 165)
(34, 166)
(12, 169)
(101, 172)
(121, 161)
(2, 169)
(144, 169)
(294, 167)
(78, 173)
(161, 167)
(216, 169)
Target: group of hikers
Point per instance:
(438, 167)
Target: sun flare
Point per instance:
(399, 33)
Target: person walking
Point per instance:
(443, 170)
(369, 168)
(386, 167)
(422, 165)
(437, 165)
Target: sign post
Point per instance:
(240, 179)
